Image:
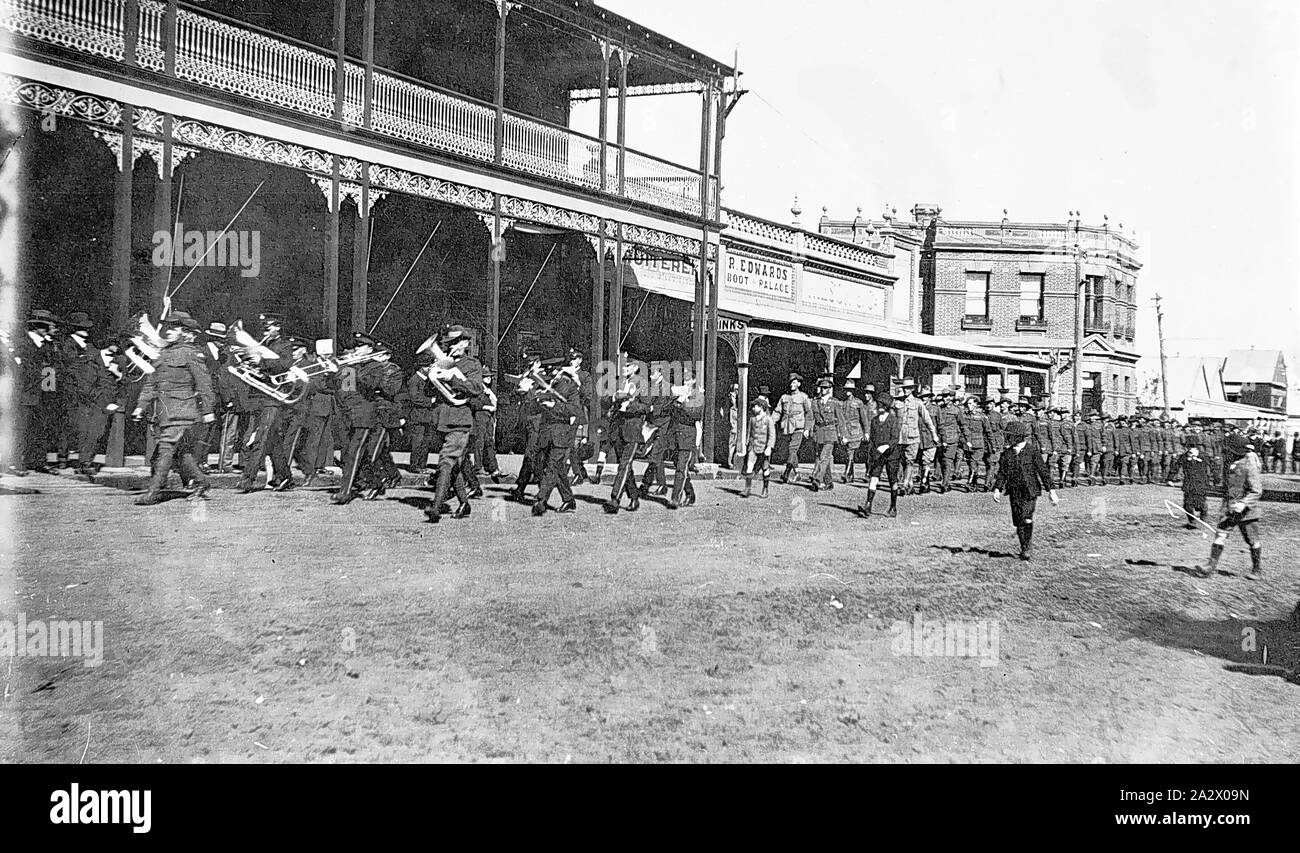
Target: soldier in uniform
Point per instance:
(419, 414)
(99, 394)
(685, 413)
(794, 419)
(530, 418)
(626, 417)
(1124, 449)
(1089, 442)
(951, 445)
(825, 433)
(581, 427)
(1142, 449)
(913, 419)
(1041, 429)
(359, 390)
(316, 443)
(182, 386)
(80, 361)
(1242, 488)
(555, 441)
(41, 386)
(1066, 451)
(929, 441)
(974, 429)
(454, 422)
(995, 421)
(853, 419)
(484, 458)
(265, 417)
(884, 434)
(1054, 441)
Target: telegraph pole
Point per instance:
(1160, 333)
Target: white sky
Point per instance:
(1178, 119)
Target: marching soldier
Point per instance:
(626, 417)
(1125, 451)
(1142, 449)
(653, 481)
(825, 433)
(265, 417)
(555, 441)
(974, 429)
(995, 422)
(1242, 488)
(685, 413)
(1089, 437)
(581, 431)
(853, 419)
(794, 418)
(182, 387)
(1066, 451)
(81, 362)
(929, 441)
(41, 381)
(316, 443)
(99, 392)
(913, 419)
(462, 374)
(359, 390)
(419, 414)
(884, 451)
(530, 419)
(948, 425)
(484, 457)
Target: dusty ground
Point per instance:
(277, 627)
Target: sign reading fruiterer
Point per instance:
(666, 275)
(758, 277)
(831, 295)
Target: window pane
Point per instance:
(1031, 296)
(977, 294)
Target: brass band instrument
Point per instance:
(248, 355)
(144, 349)
(443, 367)
(532, 376)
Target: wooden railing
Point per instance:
(274, 69)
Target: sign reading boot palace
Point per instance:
(760, 277)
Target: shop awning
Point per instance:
(1194, 408)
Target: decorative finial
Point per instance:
(795, 208)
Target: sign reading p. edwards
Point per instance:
(758, 277)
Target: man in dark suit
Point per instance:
(1023, 476)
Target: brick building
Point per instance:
(1016, 286)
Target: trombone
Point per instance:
(146, 345)
(248, 354)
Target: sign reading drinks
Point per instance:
(758, 277)
(837, 296)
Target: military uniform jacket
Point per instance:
(974, 428)
(449, 418)
(82, 369)
(853, 420)
(1123, 441)
(948, 424)
(930, 438)
(997, 432)
(181, 385)
(1069, 438)
(558, 421)
(359, 390)
(1109, 438)
(1042, 435)
(626, 418)
(914, 419)
(825, 428)
(1242, 482)
(1089, 438)
(1142, 442)
(682, 418)
(1055, 441)
(794, 412)
(419, 405)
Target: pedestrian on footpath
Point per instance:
(1023, 476)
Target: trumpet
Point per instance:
(327, 364)
(533, 377)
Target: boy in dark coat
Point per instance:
(1196, 480)
(1022, 476)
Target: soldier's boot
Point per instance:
(446, 471)
(634, 500)
(893, 503)
(690, 494)
(1256, 562)
(1211, 565)
(865, 509)
(749, 484)
(925, 479)
(785, 475)
(763, 494)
